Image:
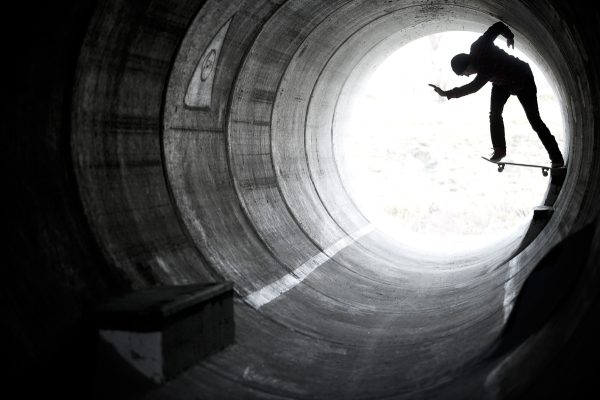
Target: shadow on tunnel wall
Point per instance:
(55, 272)
(550, 283)
(545, 291)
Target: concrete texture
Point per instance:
(117, 184)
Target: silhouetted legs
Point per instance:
(497, 102)
(528, 99)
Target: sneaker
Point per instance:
(498, 154)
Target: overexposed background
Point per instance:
(412, 159)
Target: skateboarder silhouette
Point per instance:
(509, 76)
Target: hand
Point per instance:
(438, 90)
(510, 42)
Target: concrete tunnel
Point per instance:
(163, 142)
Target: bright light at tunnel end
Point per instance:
(411, 160)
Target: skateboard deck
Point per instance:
(502, 164)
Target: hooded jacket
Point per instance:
(493, 64)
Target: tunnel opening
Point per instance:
(410, 159)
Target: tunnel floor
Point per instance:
(402, 327)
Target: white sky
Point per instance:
(412, 158)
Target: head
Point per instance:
(460, 64)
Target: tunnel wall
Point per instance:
(116, 123)
(205, 189)
(96, 224)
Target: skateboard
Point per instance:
(502, 164)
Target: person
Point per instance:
(509, 76)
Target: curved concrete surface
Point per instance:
(171, 142)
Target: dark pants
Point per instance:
(528, 99)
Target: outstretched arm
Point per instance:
(500, 28)
(461, 91)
